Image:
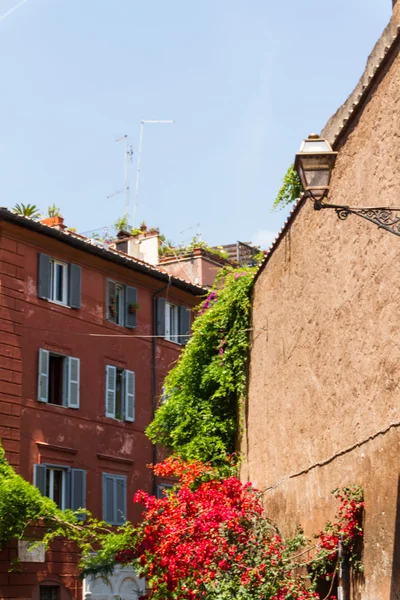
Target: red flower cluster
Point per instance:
(208, 537)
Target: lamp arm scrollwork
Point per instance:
(384, 217)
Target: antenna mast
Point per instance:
(142, 123)
(127, 159)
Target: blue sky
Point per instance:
(244, 81)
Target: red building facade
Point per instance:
(87, 336)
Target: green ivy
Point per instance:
(20, 503)
(290, 191)
(204, 389)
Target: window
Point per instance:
(114, 499)
(58, 379)
(120, 394)
(121, 304)
(162, 489)
(49, 592)
(173, 322)
(66, 486)
(59, 281)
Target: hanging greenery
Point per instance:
(203, 391)
(290, 191)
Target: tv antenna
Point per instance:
(142, 123)
(128, 154)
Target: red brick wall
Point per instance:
(12, 263)
(82, 438)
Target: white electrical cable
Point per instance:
(9, 12)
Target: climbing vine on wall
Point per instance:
(199, 420)
(290, 190)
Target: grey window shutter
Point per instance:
(160, 316)
(108, 498)
(111, 385)
(184, 325)
(129, 396)
(78, 489)
(111, 300)
(39, 478)
(44, 276)
(75, 278)
(130, 297)
(73, 382)
(43, 376)
(120, 493)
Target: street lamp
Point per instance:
(314, 164)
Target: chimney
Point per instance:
(143, 246)
(54, 222)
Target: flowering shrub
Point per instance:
(346, 529)
(208, 537)
(204, 388)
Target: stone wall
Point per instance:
(323, 403)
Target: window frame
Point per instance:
(120, 316)
(171, 336)
(125, 394)
(50, 478)
(123, 295)
(54, 262)
(115, 478)
(43, 477)
(71, 365)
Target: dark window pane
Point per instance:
(49, 592)
(57, 490)
(59, 282)
(56, 372)
(118, 395)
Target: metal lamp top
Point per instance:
(315, 144)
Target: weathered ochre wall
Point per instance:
(325, 355)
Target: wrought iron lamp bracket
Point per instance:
(384, 217)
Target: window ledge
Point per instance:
(58, 303)
(115, 458)
(43, 445)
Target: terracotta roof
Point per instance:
(85, 244)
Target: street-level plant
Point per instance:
(207, 538)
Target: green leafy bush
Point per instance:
(203, 390)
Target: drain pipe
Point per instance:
(154, 373)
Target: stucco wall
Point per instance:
(325, 355)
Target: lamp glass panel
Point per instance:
(317, 178)
(316, 146)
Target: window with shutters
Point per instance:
(114, 499)
(58, 379)
(120, 394)
(66, 486)
(59, 282)
(121, 304)
(173, 322)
